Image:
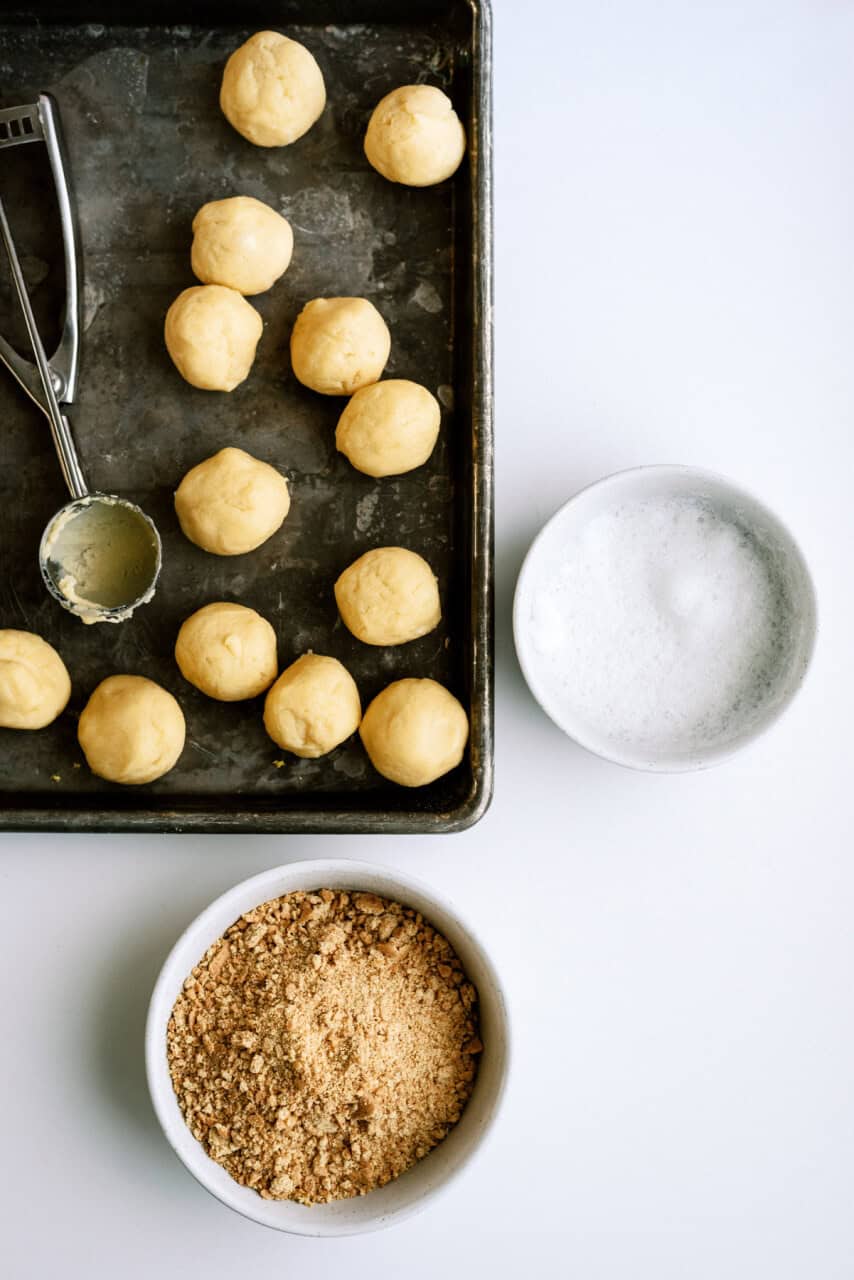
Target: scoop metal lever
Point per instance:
(59, 425)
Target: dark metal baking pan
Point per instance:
(147, 146)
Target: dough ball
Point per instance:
(231, 503)
(131, 730)
(388, 596)
(241, 243)
(211, 334)
(389, 427)
(339, 345)
(313, 706)
(227, 651)
(34, 683)
(272, 90)
(415, 136)
(414, 731)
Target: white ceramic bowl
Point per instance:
(656, 482)
(420, 1184)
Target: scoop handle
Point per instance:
(59, 426)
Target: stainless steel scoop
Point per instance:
(100, 555)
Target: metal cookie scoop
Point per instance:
(100, 555)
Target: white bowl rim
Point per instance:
(626, 760)
(262, 882)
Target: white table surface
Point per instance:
(675, 282)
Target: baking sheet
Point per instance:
(147, 147)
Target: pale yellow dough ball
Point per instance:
(231, 503)
(313, 706)
(131, 730)
(414, 731)
(388, 596)
(227, 651)
(415, 136)
(211, 334)
(241, 243)
(272, 90)
(339, 345)
(34, 683)
(389, 428)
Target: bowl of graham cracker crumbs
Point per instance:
(327, 1047)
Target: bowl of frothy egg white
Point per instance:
(664, 618)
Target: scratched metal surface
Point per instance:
(147, 146)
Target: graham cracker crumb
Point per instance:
(324, 1044)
